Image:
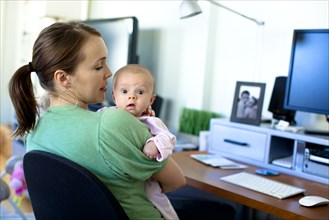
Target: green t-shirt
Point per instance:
(107, 143)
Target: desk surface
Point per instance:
(208, 179)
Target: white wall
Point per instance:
(8, 58)
(196, 61)
(251, 53)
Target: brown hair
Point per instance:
(58, 46)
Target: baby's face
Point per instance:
(133, 92)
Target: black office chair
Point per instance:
(191, 203)
(62, 189)
(157, 105)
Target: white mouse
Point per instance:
(313, 201)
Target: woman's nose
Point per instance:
(108, 72)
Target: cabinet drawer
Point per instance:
(238, 142)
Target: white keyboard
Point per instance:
(263, 185)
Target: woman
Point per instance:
(70, 62)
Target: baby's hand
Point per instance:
(150, 150)
(149, 111)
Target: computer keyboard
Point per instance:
(263, 185)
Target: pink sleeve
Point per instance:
(163, 139)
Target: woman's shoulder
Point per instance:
(122, 123)
(117, 118)
(117, 114)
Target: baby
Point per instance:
(133, 91)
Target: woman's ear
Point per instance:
(62, 78)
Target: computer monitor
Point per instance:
(120, 36)
(307, 87)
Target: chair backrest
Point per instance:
(157, 105)
(62, 189)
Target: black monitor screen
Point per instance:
(308, 79)
(120, 36)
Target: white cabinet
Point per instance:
(266, 147)
(239, 142)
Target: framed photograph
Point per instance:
(248, 103)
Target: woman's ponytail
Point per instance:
(23, 98)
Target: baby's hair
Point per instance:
(132, 68)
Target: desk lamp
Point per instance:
(189, 8)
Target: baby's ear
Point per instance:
(153, 98)
(113, 97)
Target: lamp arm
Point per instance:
(259, 22)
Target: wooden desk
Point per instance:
(207, 178)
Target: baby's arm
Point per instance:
(163, 140)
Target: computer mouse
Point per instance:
(313, 201)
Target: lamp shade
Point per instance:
(189, 8)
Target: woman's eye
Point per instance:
(99, 68)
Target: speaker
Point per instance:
(276, 105)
